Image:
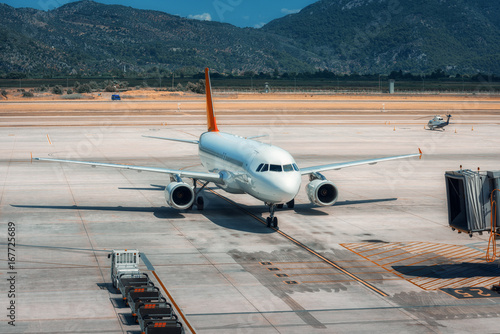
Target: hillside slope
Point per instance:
(343, 36)
(88, 36)
(384, 35)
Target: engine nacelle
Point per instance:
(322, 192)
(179, 195)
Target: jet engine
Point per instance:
(179, 195)
(322, 192)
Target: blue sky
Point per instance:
(242, 13)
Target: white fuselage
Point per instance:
(263, 171)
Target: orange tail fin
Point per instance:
(211, 123)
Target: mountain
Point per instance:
(380, 36)
(364, 36)
(91, 37)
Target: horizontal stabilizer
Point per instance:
(259, 136)
(175, 139)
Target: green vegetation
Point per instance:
(437, 80)
(461, 36)
(86, 39)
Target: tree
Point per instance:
(57, 90)
(110, 88)
(438, 73)
(43, 88)
(85, 88)
(15, 75)
(198, 87)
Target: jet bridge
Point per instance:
(472, 202)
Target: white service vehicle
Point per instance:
(124, 262)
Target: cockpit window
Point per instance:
(275, 168)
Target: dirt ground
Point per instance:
(152, 102)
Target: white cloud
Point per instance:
(201, 17)
(289, 11)
(259, 25)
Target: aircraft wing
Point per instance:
(336, 166)
(204, 176)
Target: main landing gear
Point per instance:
(200, 203)
(272, 221)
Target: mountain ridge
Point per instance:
(343, 36)
(384, 35)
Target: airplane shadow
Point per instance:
(365, 201)
(308, 209)
(161, 212)
(154, 187)
(455, 270)
(220, 218)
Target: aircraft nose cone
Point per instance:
(286, 188)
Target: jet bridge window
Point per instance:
(288, 168)
(275, 168)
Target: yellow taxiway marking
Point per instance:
(174, 303)
(426, 255)
(306, 248)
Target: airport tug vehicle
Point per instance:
(152, 311)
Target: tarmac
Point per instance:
(381, 260)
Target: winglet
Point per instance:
(420, 151)
(211, 123)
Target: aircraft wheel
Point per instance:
(200, 203)
(269, 221)
(291, 204)
(275, 222)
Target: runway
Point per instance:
(381, 260)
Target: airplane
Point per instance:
(243, 165)
(438, 123)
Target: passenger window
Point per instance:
(258, 168)
(288, 168)
(296, 168)
(265, 168)
(275, 168)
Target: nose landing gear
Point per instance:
(272, 221)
